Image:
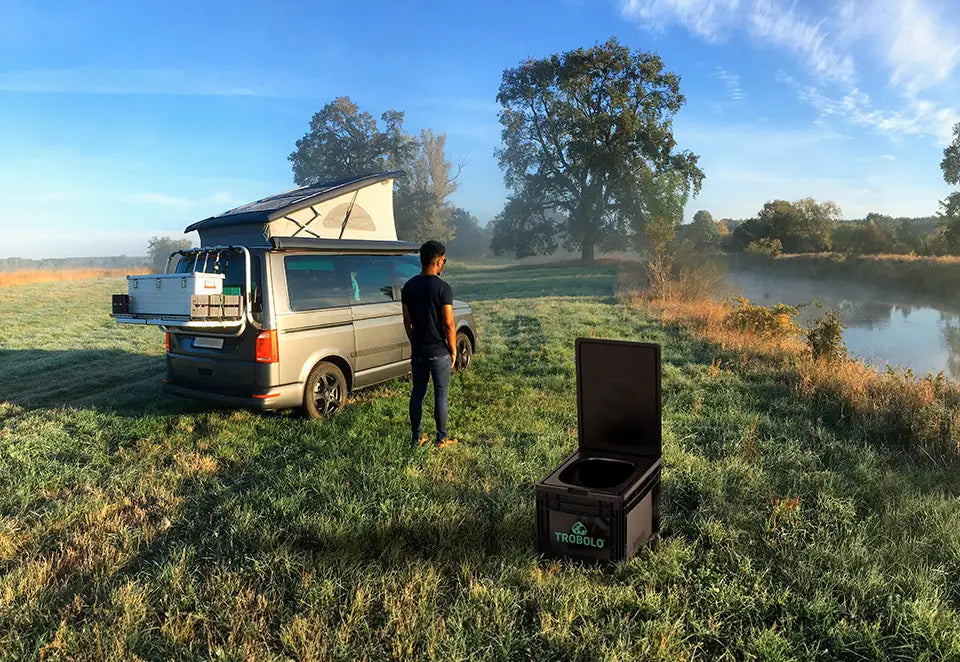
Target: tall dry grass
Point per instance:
(890, 406)
(25, 276)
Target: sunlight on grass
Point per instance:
(134, 524)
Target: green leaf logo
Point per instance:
(579, 529)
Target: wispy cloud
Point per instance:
(731, 85)
(919, 46)
(771, 23)
(924, 48)
(918, 117)
(172, 82)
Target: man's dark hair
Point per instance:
(430, 252)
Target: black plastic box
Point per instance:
(215, 306)
(602, 503)
(121, 303)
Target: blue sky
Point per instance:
(123, 120)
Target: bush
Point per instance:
(825, 337)
(773, 323)
(765, 246)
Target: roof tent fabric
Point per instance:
(317, 211)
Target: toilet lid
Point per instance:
(618, 396)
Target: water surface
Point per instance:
(884, 327)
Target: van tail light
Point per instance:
(166, 341)
(267, 348)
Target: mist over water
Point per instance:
(884, 326)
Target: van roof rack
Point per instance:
(344, 245)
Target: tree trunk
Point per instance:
(586, 252)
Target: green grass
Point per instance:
(137, 525)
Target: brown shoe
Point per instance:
(424, 439)
(447, 442)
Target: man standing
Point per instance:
(428, 320)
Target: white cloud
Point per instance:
(919, 116)
(782, 26)
(731, 84)
(709, 19)
(919, 46)
(924, 47)
(888, 157)
(157, 199)
(769, 22)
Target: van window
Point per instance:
(369, 279)
(229, 263)
(315, 282)
(405, 267)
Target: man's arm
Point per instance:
(451, 332)
(408, 324)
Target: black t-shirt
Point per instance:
(425, 297)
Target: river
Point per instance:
(884, 327)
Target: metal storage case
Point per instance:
(602, 502)
(170, 294)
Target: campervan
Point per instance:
(290, 301)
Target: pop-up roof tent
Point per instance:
(352, 214)
(359, 207)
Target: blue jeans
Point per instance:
(424, 367)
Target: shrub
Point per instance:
(825, 337)
(765, 246)
(774, 323)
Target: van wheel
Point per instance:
(325, 392)
(464, 352)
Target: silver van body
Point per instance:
(314, 303)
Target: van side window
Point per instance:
(315, 282)
(369, 279)
(405, 267)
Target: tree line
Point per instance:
(59, 263)
(808, 226)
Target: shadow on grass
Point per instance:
(117, 381)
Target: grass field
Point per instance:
(25, 276)
(138, 526)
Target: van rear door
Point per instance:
(216, 361)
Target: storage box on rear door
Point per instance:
(215, 307)
(169, 294)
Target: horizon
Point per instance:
(127, 122)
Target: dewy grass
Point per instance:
(136, 525)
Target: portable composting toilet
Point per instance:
(602, 502)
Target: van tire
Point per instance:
(464, 356)
(325, 392)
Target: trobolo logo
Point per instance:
(578, 536)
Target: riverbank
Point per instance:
(934, 277)
(910, 412)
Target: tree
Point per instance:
(159, 249)
(470, 239)
(704, 232)
(587, 134)
(343, 142)
(949, 233)
(801, 226)
(422, 211)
